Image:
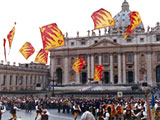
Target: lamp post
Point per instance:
(52, 83)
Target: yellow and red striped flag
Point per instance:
(27, 50)
(42, 56)
(4, 45)
(135, 21)
(52, 36)
(102, 18)
(78, 65)
(98, 72)
(10, 36)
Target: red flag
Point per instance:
(52, 36)
(10, 36)
(4, 45)
(27, 50)
(135, 21)
(102, 18)
(78, 65)
(42, 56)
(98, 72)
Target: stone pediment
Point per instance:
(104, 43)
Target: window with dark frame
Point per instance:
(141, 39)
(106, 60)
(158, 38)
(158, 57)
(59, 61)
(16, 80)
(115, 40)
(10, 83)
(96, 60)
(129, 40)
(4, 80)
(72, 43)
(115, 59)
(83, 43)
(130, 58)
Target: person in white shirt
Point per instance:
(107, 115)
(13, 111)
(2, 110)
(87, 116)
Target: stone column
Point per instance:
(66, 77)
(149, 68)
(92, 66)
(78, 78)
(52, 67)
(111, 69)
(100, 59)
(135, 68)
(119, 69)
(124, 69)
(88, 67)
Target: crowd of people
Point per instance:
(89, 109)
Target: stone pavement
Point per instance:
(31, 116)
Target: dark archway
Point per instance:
(115, 79)
(106, 77)
(158, 74)
(59, 75)
(84, 78)
(130, 77)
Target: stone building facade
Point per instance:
(130, 61)
(23, 77)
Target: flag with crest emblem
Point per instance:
(52, 36)
(78, 65)
(102, 18)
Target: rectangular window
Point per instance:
(96, 59)
(31, 80)
(141, 39)
(130, 59)
(129, 40)
(59, 61)
(158, 37)
(95, 41)
(106, 60)
(83, 43)
(115, 40)
(4, 80)
(115, 59)
(26, 80)
(16, 80)
(10, 83)
(21, 80)
(72, 43)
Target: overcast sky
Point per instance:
(70, 15)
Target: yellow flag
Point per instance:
(102, 18)
(78, 65)
(98, 72)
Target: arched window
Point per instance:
(158, 57)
